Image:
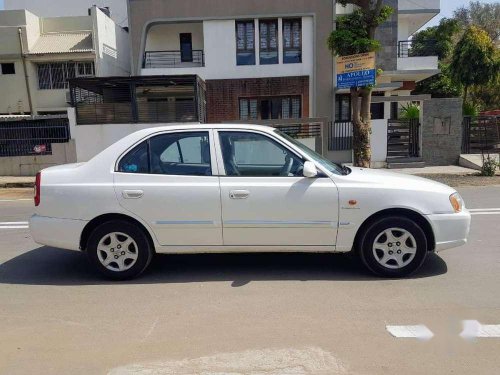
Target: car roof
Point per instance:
(190, 126)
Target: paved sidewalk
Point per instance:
(16, 181)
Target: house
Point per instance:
(265, 60)
(259, 59)
(116, 9)
(38, 55)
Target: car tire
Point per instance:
(393, 246)
(119, 250)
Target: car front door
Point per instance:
(266, 200)
(170, 181)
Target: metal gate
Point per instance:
(403, 138)
(481, 134)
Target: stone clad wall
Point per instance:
(387, 34)
(442, 131)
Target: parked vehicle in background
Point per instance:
(238, 188)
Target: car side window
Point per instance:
(136, 161)
(253, 154)
(185, 153)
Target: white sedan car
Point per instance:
(238, 188)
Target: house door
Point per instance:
(186, 47)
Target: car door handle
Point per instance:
(239, 194)
(132, 194)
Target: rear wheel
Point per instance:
(394, 247)
(119, 250)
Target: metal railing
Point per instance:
(481, 134)
(29, 137)
(340, 136)
(173, 59)
(406, 48)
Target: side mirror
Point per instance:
(310, 169)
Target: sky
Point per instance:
(447, 8)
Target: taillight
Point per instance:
(38, 179)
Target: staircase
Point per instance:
(396, 162)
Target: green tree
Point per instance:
(486, 16)
(355, 33)
(436, 40)
(474, 60)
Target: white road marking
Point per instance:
(420, 332)
(483, 209)
(14, 225)
(473, 329)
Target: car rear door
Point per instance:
(170, 181)
(266, 200)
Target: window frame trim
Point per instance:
(259, 99)
(269, 21)
(220, 157)
(300, 49)
(245, 21)
(49, 78)
(213, 158)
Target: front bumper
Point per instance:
(450, 230)
(56, 232)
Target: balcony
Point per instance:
(173, 59)
(413, 58)
(174, 48)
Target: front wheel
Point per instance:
(119, 250)
(394, 247)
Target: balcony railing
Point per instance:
(173, 59)
(406, 48)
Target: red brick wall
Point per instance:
(223, 94)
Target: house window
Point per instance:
(343, 107)
(292, 41)
(248, 109)
(268, 37)
(8, 68)
(245, 43)
(54, 76)
(266, 108)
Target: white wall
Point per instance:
(220, 56)
(418, 63)
(112, 46)
(166, 37)
(59, 8)
(379, 141)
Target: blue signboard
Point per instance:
(359, 78)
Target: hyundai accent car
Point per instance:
(238, 188)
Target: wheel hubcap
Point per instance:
(394, 248)
(121, 260)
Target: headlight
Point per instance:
(456, 202)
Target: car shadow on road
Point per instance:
(51, 266)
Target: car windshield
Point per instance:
(329, 165)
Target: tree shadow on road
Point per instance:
(50, 266)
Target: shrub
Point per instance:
(409, 111)
(489, 167)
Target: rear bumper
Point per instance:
(450, 230)
(61, 233)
